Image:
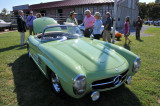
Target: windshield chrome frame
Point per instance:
(53, 26)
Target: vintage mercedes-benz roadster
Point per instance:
(78, 65)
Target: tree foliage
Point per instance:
(143, 10)
(4, 12)
(151, 11)
(157, 1)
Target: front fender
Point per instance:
(67, 84)
(66, 73)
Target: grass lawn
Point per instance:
(21, 82)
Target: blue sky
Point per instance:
(8, 4)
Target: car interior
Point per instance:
(52, 35)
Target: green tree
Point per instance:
(151, 11)
(154, 11)
(4, 12)
(143, 10)
(157, 1)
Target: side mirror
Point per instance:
(91, 36)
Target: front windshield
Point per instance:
(62, 32)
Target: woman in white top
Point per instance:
(97, 26)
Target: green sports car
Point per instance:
(77, 65)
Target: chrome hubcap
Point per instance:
(55, 83)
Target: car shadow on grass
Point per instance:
(33, 89)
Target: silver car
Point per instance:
(82, 28)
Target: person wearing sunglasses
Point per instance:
(89, 21)
(30, 19)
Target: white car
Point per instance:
(81, 27)
(4, 24)
(157, 23)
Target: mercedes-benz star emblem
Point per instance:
(117, 69)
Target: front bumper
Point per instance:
(116, 82)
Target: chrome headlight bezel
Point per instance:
(79, 84)
(136, 65)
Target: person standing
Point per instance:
(107, 28)
(21, 26)
(97, 26)
(89, 21)
(138, 27)
(30, 19)
(126, 29)
(38, 15)
(72, 19)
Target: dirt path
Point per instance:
(145, 27)
(7, 31)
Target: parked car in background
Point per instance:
(4, 24)
(78, 65)
(82, 28)
(145, 22)
(14, 23)
(157, 23)
(149, 22)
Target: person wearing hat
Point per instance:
(126, 29)
(107, 28)
(97, 26)
(71, 18)
(29, 22)
(138, 27)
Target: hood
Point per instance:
(93, 57)
(40, 23)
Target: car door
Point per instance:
(34, 47)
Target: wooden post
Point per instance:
(114, 21)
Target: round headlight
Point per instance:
(137, 64)
(79, 85)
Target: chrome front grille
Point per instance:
(109, 82)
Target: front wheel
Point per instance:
(55, 83)
(29, 54)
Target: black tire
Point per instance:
(55, 83)
(29, 54)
